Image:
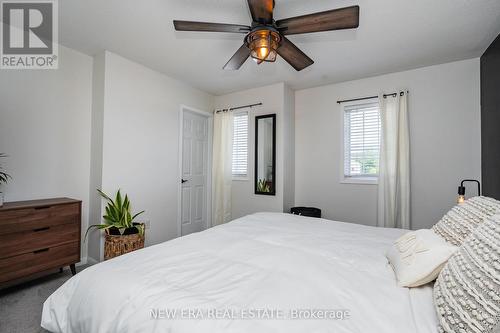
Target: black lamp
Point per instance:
(461, 189)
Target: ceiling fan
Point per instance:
(265, 38)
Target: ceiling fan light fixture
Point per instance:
(263, 45)
(266, 36)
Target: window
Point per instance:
(240, 145)
(361, 142)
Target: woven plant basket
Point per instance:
(116, 245)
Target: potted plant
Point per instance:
(123, 235)
(4, 178)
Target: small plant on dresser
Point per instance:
(4, 178)
(122, 234)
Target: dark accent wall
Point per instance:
(490, 120)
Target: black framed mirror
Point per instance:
(265, 154)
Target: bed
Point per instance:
(266, 272)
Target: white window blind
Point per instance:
(240, 144)
(361, 140)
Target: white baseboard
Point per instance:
(91, 261)
(84, 261)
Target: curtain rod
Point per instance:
(371, 97)
(239, 107)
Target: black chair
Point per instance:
(306, 211)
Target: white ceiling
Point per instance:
(393, 35)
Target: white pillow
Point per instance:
(418, 256)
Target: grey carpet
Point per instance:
(21, 305)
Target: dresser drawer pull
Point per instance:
(42, 207)
(41, 229)
(40, 251)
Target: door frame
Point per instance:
(210, 118)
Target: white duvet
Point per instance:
(288, 273)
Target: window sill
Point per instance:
(240, 179)
(360, 180)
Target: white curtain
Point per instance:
(222, 166)
(394, 178)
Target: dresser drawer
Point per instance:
(38, 217)
(28, 241)
(28, 263)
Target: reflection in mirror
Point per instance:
(265, 154)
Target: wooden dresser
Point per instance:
(38, 236)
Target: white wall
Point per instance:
(45, 120)
(444, 108)
(97, 132)
(288, 149)
(141, 140)
(244, 201)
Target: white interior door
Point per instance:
(195, 158)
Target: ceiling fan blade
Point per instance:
(337, 19)
(293, 55)
(262, 10)
(238, 59)
(210, 27)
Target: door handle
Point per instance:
(183, 181)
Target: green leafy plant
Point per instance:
(4, 177)
(118, 215)
(262, 186)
